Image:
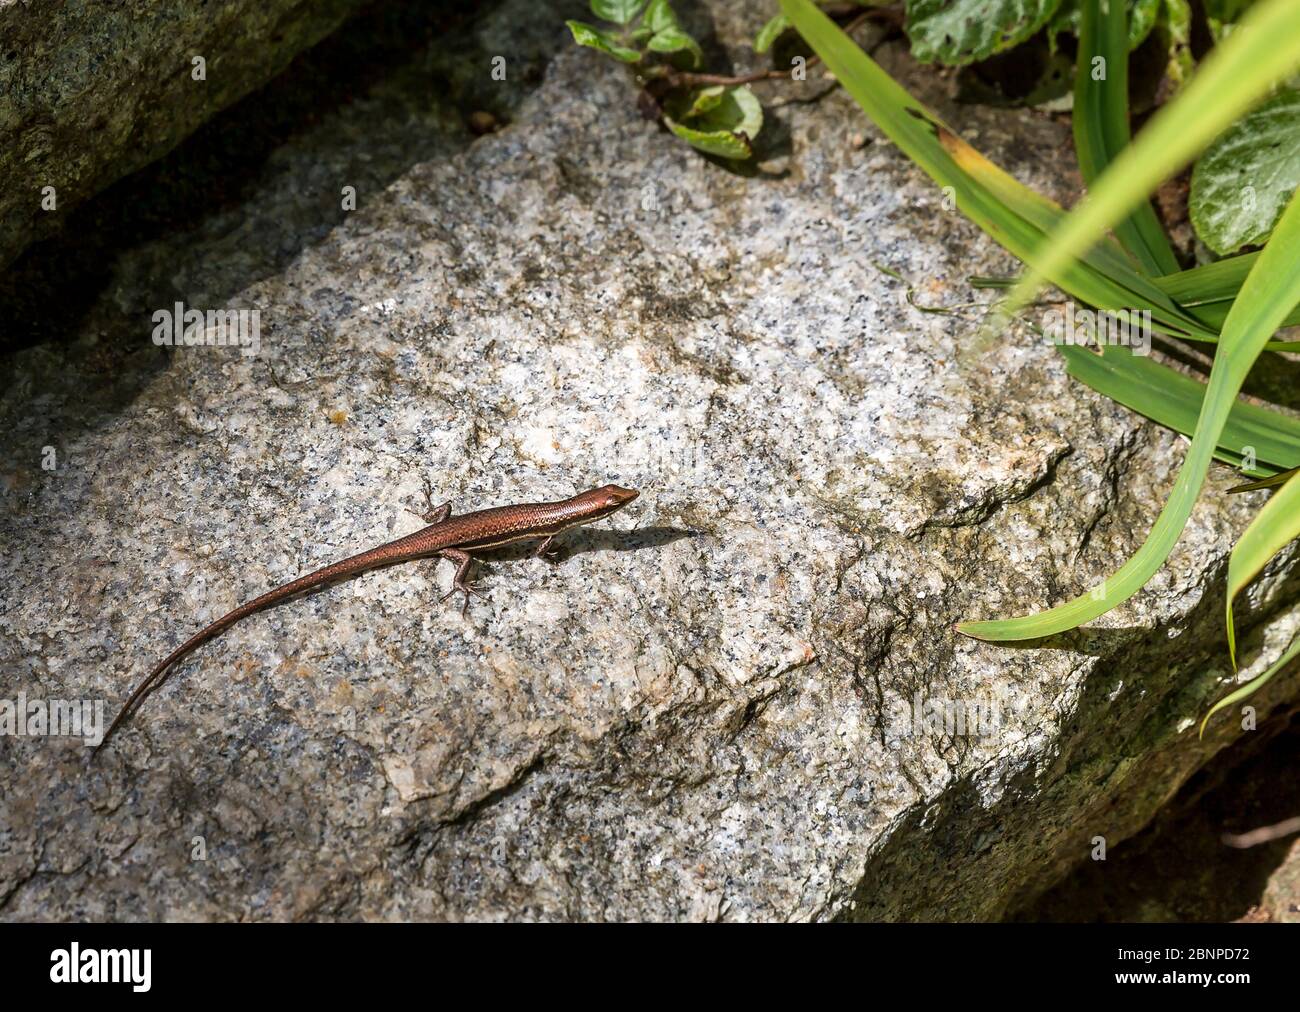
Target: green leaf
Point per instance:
(1253, 686)
(659, 16)
(714, 142)
(1275, 526)
(618, 11)
(592, 37)
(1245, 178)
(719, 121)
(770, 32)
(1093, 269)
(1270, 482)
(1100, 124)
(674, 40)
(1142, 16)
(957, 32)
(704, 100)
(1269, 292)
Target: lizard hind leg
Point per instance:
(463, 561)
(434, 514)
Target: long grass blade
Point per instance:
(1256, 440)
(1100, 122)
(1270, 482)
(1010, 212)
(1207, 292)
(1276, 525)
(1253, 686)
(1268, 294)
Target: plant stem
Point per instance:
(686, 79)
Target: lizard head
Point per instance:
(609, 498)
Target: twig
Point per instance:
(687, 79)
(1265, 834)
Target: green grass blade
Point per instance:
(1174, 399)
(1276, 525)
(1254, 685)
(1238, 73)
(1277, 479)
(1011, 213)
(1100, 122)
(1207, 291)
(1215, 282)
(1269, 292)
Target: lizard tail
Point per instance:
(339, 570)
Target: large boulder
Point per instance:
(729, 702)
(91, 91)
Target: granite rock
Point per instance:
(90, 92)
(709, 708)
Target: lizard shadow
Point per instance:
(579, 542)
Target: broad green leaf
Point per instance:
(957, 32)
(1269, 292)
(592, 37)
(722, 143)
(1244, 179)
(1267, 438)
(618, 11)
(1101, 128)
(1233, 77)
(659, 16)
(1275, 526)
(719, 121)
(770, 32)
(1253, 686)
(674, 40)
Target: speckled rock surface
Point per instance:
(703, 712)
(92, 91)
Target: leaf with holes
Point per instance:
(719, 121)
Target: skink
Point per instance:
(447, 537)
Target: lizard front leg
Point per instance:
(463, 561)
(544, 551)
